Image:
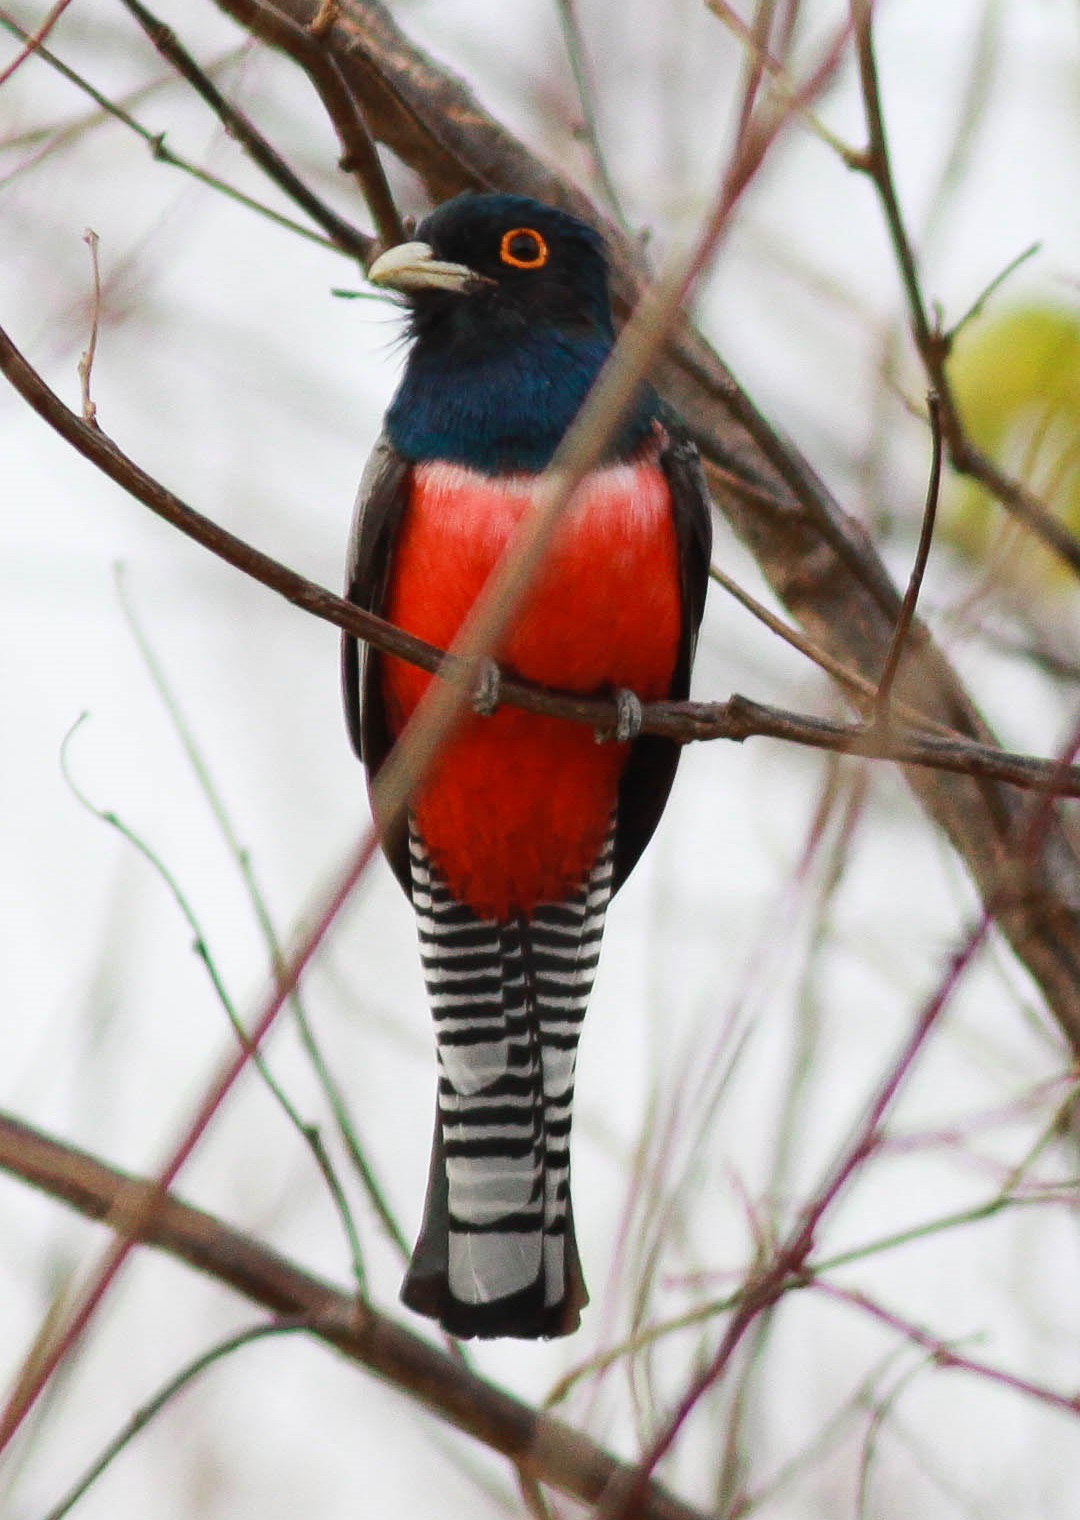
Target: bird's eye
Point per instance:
(522, 248)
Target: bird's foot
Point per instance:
(629, 716)
(487, 692)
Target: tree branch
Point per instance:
(541, 1445)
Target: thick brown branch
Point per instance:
(545, 1447)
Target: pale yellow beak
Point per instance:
(413, 266)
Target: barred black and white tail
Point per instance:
(496, 1253)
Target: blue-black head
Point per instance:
(520, 265)
(510, 322)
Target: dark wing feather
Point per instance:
(380, 502)
(650, 770)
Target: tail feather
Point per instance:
(496, 1253)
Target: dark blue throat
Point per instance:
(504, 410)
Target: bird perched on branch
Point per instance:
(526, 825)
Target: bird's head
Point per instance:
(485, 266)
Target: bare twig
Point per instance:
(308, 1133)
(858, 687)
(945, 1353)
(574, 41)
(761, 62)
(51, 1353)
(343, 235)
(86, 362)
(789, 1264)
(33, 41)
(360, 156)
(918, 569)
(155, 141)
(260, 907)
(153, 1406)
(359, 152)
(931, 341)
(555, 1453)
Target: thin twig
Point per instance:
(789, 1263)
(155, 141)
(944, 1353)
(931, 341)
(858, 686)
(242, 859)
(918, 569)
(34, 1376)
(360, 154)
(782, 82)
(343, 234)
(33, 41)
(574, 42)
(991, 289)
(164, 1396)
(308, 1133)
(86, 362)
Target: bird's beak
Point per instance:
(413, 266)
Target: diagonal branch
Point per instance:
(551, 1451)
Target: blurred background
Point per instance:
(766, 960)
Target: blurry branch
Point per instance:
(934, 342)
(552, 1452)
(155, 141)
(260, 907)
(308, 1133)
(738, 718)
(944, 1353)
(55, 1344)
(918, 571)
(818, 560)
(857, 686)
(34, 40)
(789, 1264)
(153, 1406)
(761, 62)
(342, 233)
(574, 41)
(359, 153)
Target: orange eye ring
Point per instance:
(540, 254)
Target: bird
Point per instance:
(526, 825)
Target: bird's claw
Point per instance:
(629, 716)
(487, 693)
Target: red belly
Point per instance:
(517, 806)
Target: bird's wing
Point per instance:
(380, 502)
(650, 770)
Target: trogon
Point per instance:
(526, 826)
